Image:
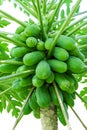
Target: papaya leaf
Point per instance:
(3, 22)
(83, 92)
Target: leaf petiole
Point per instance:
(79, 118)
(12, 18)
(11, 40)
(29, 10)
(63, 27)
(16, 75)
(55, 11)
(21, 112)
(61, 105)
(3, 92)
(75, 29)
(74, 23)
(13, 62)
(41, 20)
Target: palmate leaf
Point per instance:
(9, 100)
(3, 22)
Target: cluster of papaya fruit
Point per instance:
(65, 61)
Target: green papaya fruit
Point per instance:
(60, 54)
(37, 82)
(19, 51)
(57, 66)
(75, 65)
(65, 42)
(43, 70)
(33, 58)
(43, 97)
(31, 42)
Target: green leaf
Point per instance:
(1, 2)
(3, 22)
(62, 13)
(83, 92)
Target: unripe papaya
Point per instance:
(43, 97)
(50, 79)
(19, 51)
(60, 54)
(68, 99)
(63, 82)
(43, 70)
(48, 43)
(8, 68)
(19, 29)
(32, 30)
(31, 42)
(66, 42)
(37, 82)
(58, 66)
(36, 113)
(23, 37)
(40, 46)
(27, 110)
(33, 101)
(75, 65)
(33, 58)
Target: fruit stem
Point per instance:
(74, 23)
(13, 18)
(5, 91)
(16, 75)
(76, 28)
(80, 98)
(63, 27)
(29, 10)
(61, 105)
(12, 62)
(52, 17)
(41, 20)
(22, 109)
(79, 118)
(11, 40)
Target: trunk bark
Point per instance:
(49, 118)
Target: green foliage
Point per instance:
(3, 22)
(40, 47)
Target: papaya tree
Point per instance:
(41, 72)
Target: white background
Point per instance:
(29, 122)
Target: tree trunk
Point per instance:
(49, 118)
